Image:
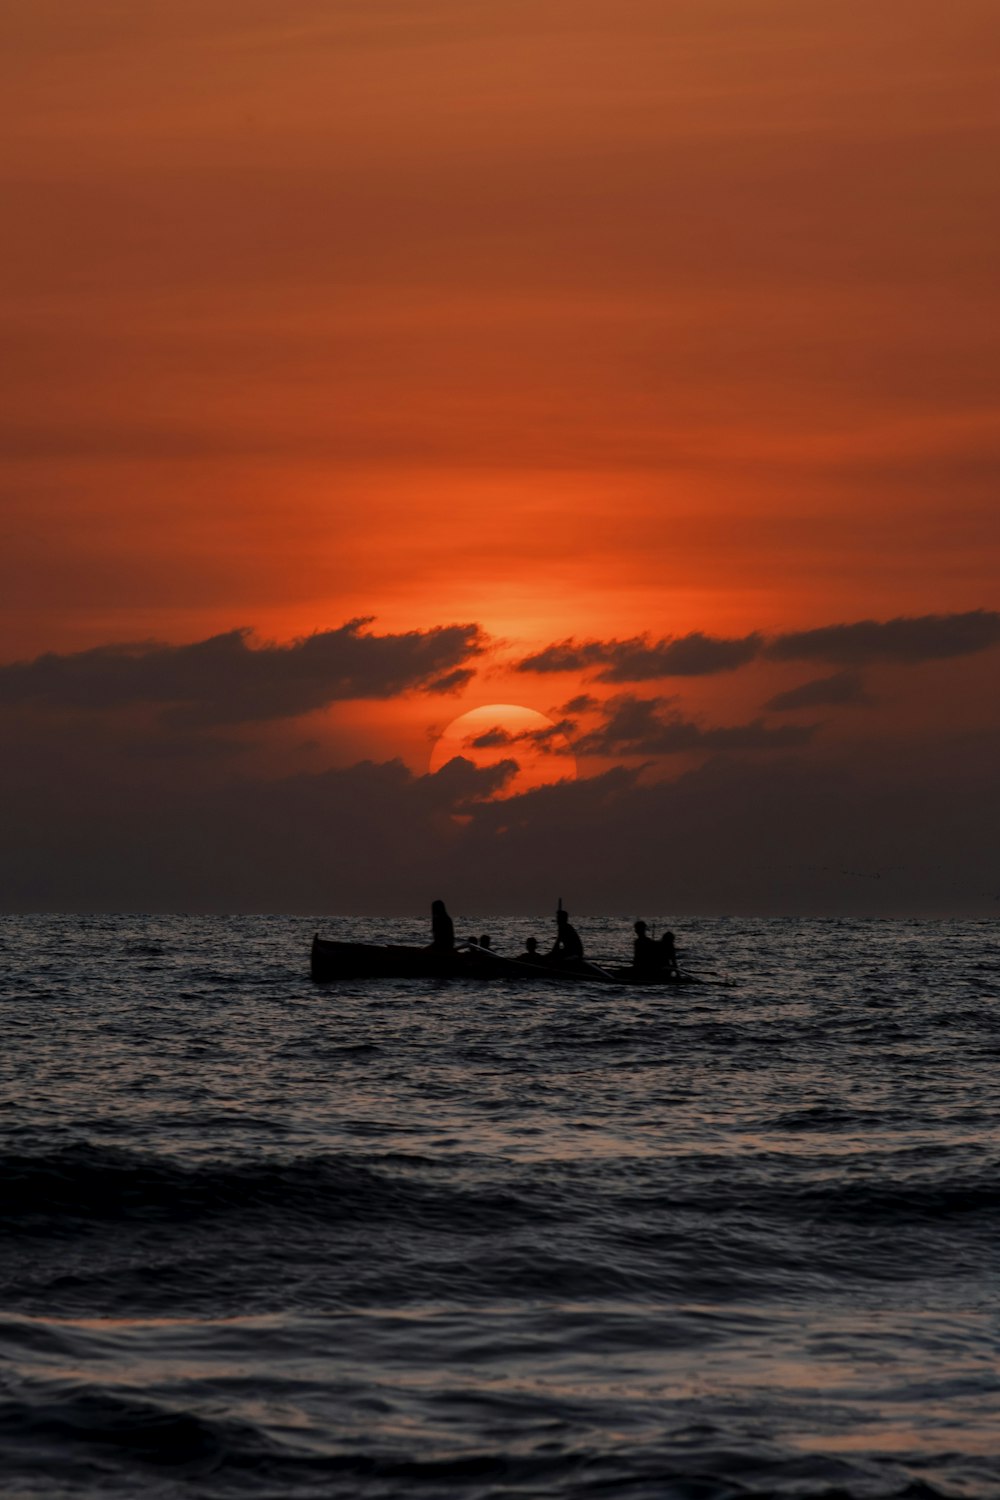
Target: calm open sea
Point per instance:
(262, 1238)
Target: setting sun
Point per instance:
(506, 731)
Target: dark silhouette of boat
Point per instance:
(333, 961)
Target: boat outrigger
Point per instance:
(333, 961)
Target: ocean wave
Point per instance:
(87, 1183)
(60, 1427)
(99, 1184)
(88, 1442)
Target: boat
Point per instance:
(332, 961)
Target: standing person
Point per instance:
(567, 943)
(442, 928)
(647, 955)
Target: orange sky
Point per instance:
(581, 319)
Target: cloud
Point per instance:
(907, 639)
(694, 655)
(459, 782)
(889, 835)
(451, 682)
(565, 656)
(491, 739)
(909, 827)
(226, 680)
(110, 831)
(650, 726)
(640, 659)
(903, 640)
(842, 688)
(550, 738)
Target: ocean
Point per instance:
(266, 1238)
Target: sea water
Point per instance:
(267, 1238)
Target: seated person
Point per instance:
(531, 954)
(567, 943)
(486, 941)
(668, 956)
(647, 955)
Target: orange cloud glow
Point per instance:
(587, 321)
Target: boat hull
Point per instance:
(332, 961)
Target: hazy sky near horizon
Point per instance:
(633, 363)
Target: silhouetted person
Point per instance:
(486, 941)
(442, 928)
(668, 956)
(647, 955)
(567, 943)
(531, 954)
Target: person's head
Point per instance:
(485, 940)
(640, 928)
(667, 937)
(472, 942)
(531, 944)
(437, 908)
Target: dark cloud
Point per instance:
(643, 660)
(194, 746)
(651, 726)
(891, 835)
(841, 688)
(459, 782)
(693, 655)
(550, 738)
(107, 810)
(906, 639)
(451, 682)
(640, 659)
(583, 703)
(566, 656)
(491, 739)
(909, 826)
(226, 680)
(95, 830)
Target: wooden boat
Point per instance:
(332, 961)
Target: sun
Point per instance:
(505, 731)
